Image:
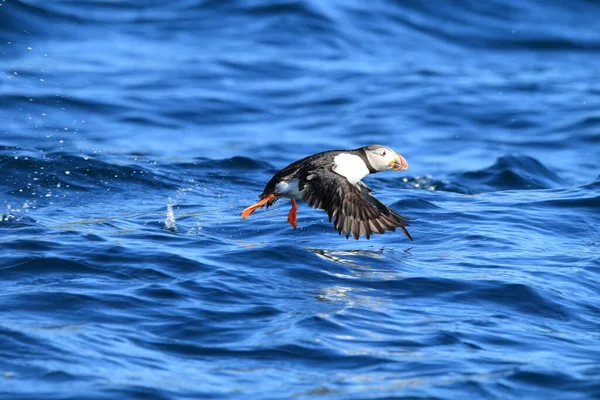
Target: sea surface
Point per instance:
(133, 134)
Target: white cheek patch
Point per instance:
(289, 189)
(389, 160)
(350, 166)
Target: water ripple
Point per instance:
(129, 150)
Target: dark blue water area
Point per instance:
(133, 134)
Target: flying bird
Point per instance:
(331, 181)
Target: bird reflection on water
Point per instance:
(354, 270)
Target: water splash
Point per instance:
(170, 224)
(196, 229)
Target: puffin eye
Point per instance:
(383, 154)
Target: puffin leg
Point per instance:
(249, 210)
(292, 214)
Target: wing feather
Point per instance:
(351, 207)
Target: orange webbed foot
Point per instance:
(249, 210)
(292, 215)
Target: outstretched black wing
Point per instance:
(351, 207)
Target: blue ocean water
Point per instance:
(133, 134)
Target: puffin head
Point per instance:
(383, 158)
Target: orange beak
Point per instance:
(400, 163)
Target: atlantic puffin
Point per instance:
(331, 181)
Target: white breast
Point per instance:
(289, 189)
(350, 166)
